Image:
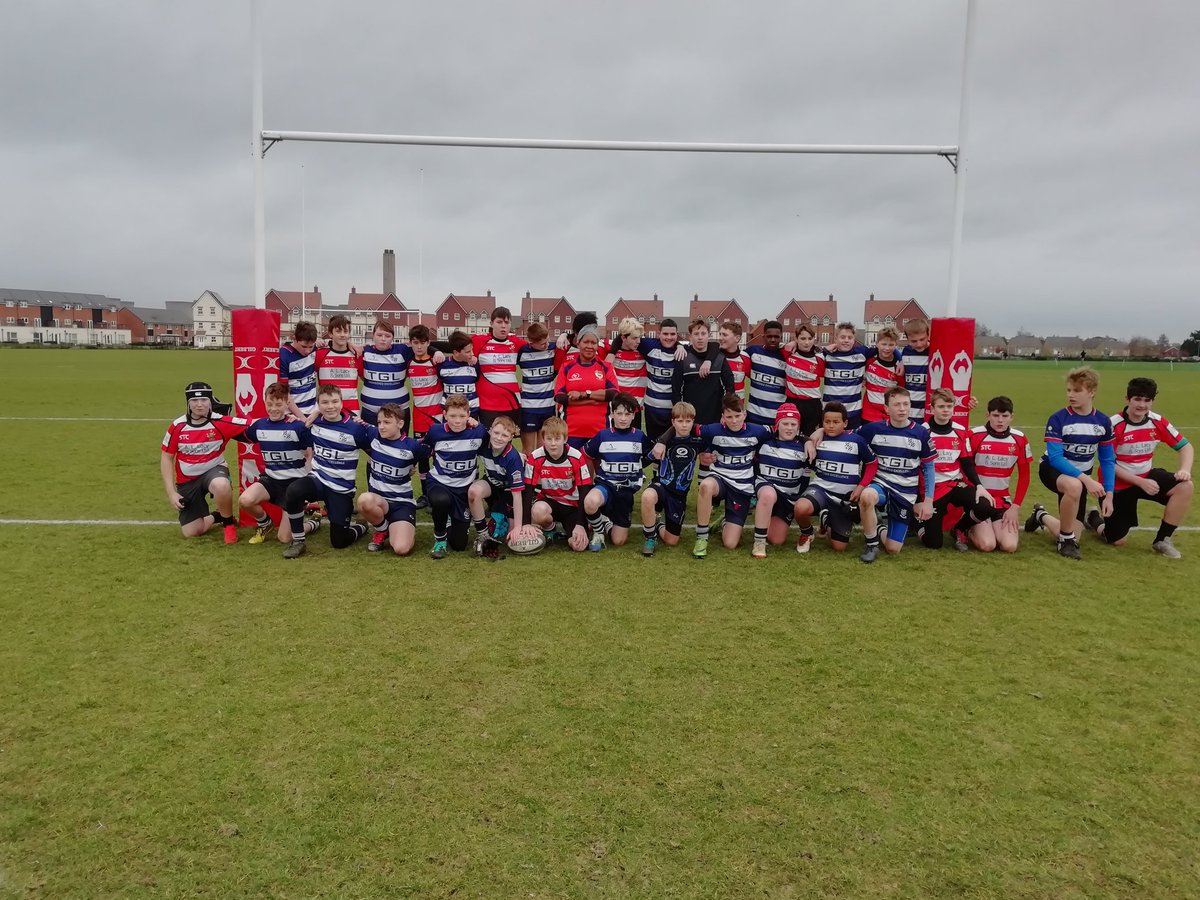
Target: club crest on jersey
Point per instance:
(598, 374)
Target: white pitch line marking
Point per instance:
(164, 420)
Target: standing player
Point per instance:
(845, 367)
(1075, 436)
(388, 504)
(286, 448)
(427, 397)
(628, 360)
(703, 377)
(998, 448)
(782, 469)
(557, 479)
(336, 438)
(496, 353)
(883, 372)
(193, 464)
(459, 374)
(297, 369)
(1137, 432)
(340, 365)
(676, 451)
(906, 459)
(584, 388)
(916, 365)
(843, 465)
(660, 367)
(454, 450)
(538, 362)
(956, 482)
(733, 444)
(618, 458)
(767, 377)
(503, 479)
(805, 369)
(385, 373)
(729, 339)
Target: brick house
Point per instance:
(1025, 345)
(880, 313)
(464, 312)
(170, 325)
(62, 317)
(649, 314)
(714, 312)
(556, 313)
(296, 306)
(212, 320)
(820, 315)
(364, 310)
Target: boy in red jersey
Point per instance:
(427, 397)
(496, 354)
(956, 483)
(584, 388)
(883, 372)
(729, 337)
(805, 368)
(193, 464)
(629, 363)
(556, 480)
(998, 448)
(1137, 432)
(340, 364)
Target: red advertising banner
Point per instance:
(952, 362)
(255, 365)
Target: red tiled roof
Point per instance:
(893, 308)
(361, 301)
(541, 306)
(291, 299)
(639, 308)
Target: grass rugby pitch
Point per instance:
(184, 718)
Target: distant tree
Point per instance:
(1142, 346)
(1163, 342)
(982, 330)
(1191, 347)
(1024, 332)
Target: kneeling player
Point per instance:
(957, 483)
(782, 467)
(676, 451)
(1137, 431)
(905, 458)
(998, 448)
(843, 465)
(618, 457)
(388, 505)
(733, 444)
(503, 477)
(336, 437)
(286, 448)
(454, 448)
(556, 480)
(193, 464)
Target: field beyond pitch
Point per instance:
(185, 718)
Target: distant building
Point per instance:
(556, 313)
(170, 325)
(62, 317)
(990, 345)
(471, 313)
(1025, 346)
(877, 314)
(1062, 347)
(1106, 348)
(820, 315)
(714, 312)
(649, 314)
(212, 320)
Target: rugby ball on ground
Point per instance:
(527, 546)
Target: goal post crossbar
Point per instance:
(271, 137)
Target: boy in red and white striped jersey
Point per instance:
(883, 372)
(729, 337)
(805, 366)
(193, 464)
(1137, 432)
(496, 355)
(557, 479)
(998, 449)
(956, 482)
(340, 365)
(629, 363)
(427, 397)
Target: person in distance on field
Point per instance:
(843, 465)
(1137, 432)
(193, 464)
(388, 504)
(998, 448)
(1076, 436)
(286, 447)
(956, 482)
(677, 450)
(618, 457)
(557, 479)
(336, 438)
(782, 468)
(454, 450)
(905, 480)
(500, 487)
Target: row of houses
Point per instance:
(1028, 346)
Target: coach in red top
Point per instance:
(499, 393)
(584, 388)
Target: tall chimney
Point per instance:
(389, 272)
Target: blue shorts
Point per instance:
(737, 503)
(401, 511)
(672, 505)
(897, 509)
(784, 507)
(841, 520)
(534, 419)
(618, 503)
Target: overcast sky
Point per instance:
(125, 165)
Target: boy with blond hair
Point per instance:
(733, 444)
(664, 501)
(883, 372)
(916, 366)
(557, 479)
(454, 450)
(503, 480)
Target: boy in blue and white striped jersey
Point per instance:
(459, 374)
(286, 448)
(782, 469)
(388, 503)
(539, 364)
(767, 377)
(336, 438)
(454, 447)
(733, 444)
(845, 370)
(500, 487)
(618, 455)
(843, 465)
(661, 355)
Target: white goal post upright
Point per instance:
(262, 140)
